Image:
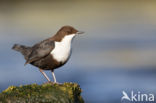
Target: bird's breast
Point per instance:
(61, 52)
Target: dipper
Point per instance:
(51, 53)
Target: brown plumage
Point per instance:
(40, 55)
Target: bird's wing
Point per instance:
(40, 50)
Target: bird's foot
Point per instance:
(50, 82)
(57, 83)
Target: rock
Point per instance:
(45, 93)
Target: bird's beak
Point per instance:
(80, 32)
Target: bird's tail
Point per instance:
(22, 49)
(18, 47)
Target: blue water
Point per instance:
(116, 53)
(100, 85)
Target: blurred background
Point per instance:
(116, 53)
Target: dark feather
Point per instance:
(40, 50)
(25, 50)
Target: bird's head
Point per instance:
(66, 31)
(69, 30)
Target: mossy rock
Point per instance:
(45, 93)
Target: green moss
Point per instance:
(45, 93)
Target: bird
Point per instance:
(50, 53)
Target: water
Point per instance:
(100, 85)
(115, 54)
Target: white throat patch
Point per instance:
(62, 49)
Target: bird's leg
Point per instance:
(45, 75)
(54, 76)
